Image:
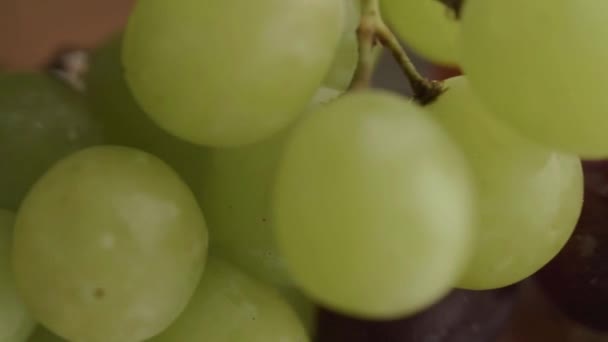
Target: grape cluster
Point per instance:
(219, 177)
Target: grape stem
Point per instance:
(371, 31)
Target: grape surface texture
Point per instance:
(230, 306)
(369, 186)
(529, 196)
(236, 195)
(109, 246)
(126, 124)
(537, 66)
(227, 73)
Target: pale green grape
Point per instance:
(426, 26)
(15, 321)
(236, 191)
(41, 121)
(236, 188)
(228, 306)
(529, 196)
(227, 73)
(538, 66)
(43, 335)
(347, 55)
(109, 246)
(373, 206)
(126, 124)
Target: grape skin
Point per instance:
(367, 186)
(230, 306)
(41, 121)
(529, 196)
(109, 246)
(227, 73)
(236, 190)
(427, 27)
(535, 65)
(15, 321)
(126, 124)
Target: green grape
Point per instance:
(227, 73)
(373, 207)
(229, 306)
(347, 55)
(41, 121)
(15, 321)
(427, 27)
(109, 246)
(43, 335)
(530, 197)
(235, 192)
(538, 66)
(126, 124)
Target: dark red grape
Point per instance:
(576, 280)
(462, 316)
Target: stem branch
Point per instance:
(366, 40)
(372, 30)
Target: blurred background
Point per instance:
(33, 31)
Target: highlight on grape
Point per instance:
(226, 171)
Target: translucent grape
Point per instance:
(41, 121)
(236, 191)
(226, 73)
(529, 197)
(426, 26)
(229, 306)
(109, 246)
(15, 321)
(347, 55)
(236, 188)
(125, 123)
(373, 207)
(537, 66)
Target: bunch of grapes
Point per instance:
(224, 172)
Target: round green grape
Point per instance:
(109, 246)
(537, 65)
(16, 324)
(229, 306)
(236, 189)
(427, 27)
(236, 192)
(530, 197)
(373, 207)
(347, 55)
(126, 124)
(41, 121)
(227, 73)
